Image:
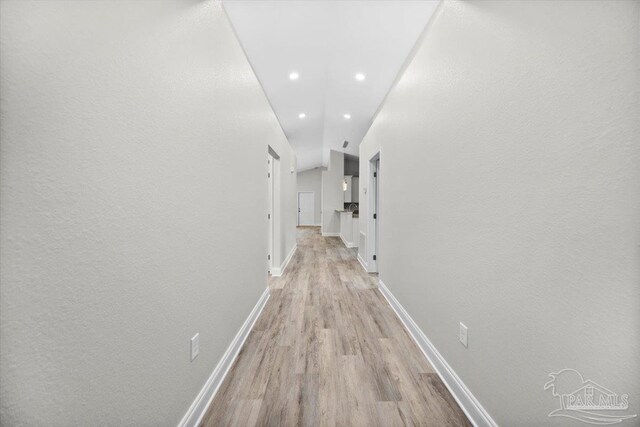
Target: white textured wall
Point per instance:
(311, 180)
(332, 193)
(511, 196)
(133, 206)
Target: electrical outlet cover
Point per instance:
(463, 334)
(195, 346)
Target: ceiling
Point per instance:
(327, 43)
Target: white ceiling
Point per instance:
(327, 43)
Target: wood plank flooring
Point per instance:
(329, 351)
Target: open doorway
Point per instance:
(373, 222)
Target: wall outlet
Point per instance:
(195, 346)
(463, 334)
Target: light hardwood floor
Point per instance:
(329, 351)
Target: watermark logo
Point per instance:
(586, 400)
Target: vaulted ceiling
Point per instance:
(327, 43)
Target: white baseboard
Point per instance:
(362, 263)
(347, 244)
(198, 408)
(279, 271)
(478, 416)
(330, 234)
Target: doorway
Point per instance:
(274, 211)
(306, 208)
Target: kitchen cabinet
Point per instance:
(349, 229)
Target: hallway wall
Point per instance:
(332, 194)
(126, 226)
(311, 180)
(510, 142)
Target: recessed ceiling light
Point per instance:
(347, 116)
(302, 115)
(360, 77)
(294, 76)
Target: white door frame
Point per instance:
(373, 205)
(314, 206)
(274, 245)
(270, 214)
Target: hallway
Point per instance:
(319, 213)
(329, 350)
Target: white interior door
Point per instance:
(306, 208)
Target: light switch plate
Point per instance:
(463, 334)
(195, 346)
